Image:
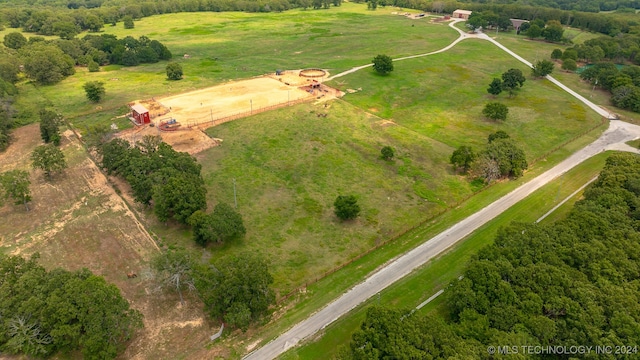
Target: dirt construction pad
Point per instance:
(241, 97)
(200, 109)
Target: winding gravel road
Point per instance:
(613, 138)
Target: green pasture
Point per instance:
(578, 36)
(435, 275)
(318, 294)
(289, 165)
(233, 45)
(328, 288)
(529, 49)
(442, 96)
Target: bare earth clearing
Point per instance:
(190, 140)
(77, 220)
(207, 105)
(200, 109)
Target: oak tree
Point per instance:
(174, 71)
(14, 40)
(50, 126)
(463, 157)
(495, 87)
(512, 80)
(48, 158)
(495, 111)
(542, 68)
(387, 153)
(223, 224)
(15, 186)
(237, 288)
(383, 64)
(94, 90)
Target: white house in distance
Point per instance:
(462, 14)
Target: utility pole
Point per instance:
(250, 106)
(235, 198)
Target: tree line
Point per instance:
(623, 82)
(572, 282)
(9, 70)
(172, 183)
(50, 61)
(68, 18)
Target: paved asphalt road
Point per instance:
(613, 139)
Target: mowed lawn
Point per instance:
(233, 45)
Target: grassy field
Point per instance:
(420, 285)
(234, 45)
(442, 96)
(578, 36)
(328, 288)
(289, 165)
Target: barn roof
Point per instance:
(139, 108)
(459, 11)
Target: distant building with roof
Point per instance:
(462, 14)
(516, 23)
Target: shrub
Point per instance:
(346, 207)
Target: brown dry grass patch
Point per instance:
(76, 221)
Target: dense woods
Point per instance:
(43, 312)
(169, 179)
(573, 282)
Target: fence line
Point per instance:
(602, 122)
(421, 223)
(221, 120)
